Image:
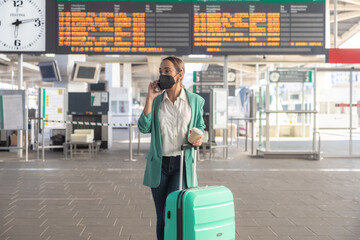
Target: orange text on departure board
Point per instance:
(252, 29)
(103, 32)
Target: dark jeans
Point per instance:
(169, 182)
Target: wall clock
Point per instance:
(22, 26)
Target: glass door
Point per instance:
(334, 113)
(262, 117)
(288, 130)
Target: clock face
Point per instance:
(274, 76)
(22, 25)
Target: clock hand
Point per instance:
(16, 31)
(28, 20)
(18, 22)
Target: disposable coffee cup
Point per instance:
(195, 133)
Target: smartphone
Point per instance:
(157, 89)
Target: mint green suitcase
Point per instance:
(199, 213)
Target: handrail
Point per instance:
(130, 126)
(338, 69)
(250, 119)
(292, 111)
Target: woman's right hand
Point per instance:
(152, 93)
(152, 90)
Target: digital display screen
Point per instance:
(191, 27)
(258, 27)
(86, 72)
(47, 72)
(124, 27)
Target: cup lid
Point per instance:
(196, 130)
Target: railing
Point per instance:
(247, 120)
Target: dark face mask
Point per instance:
(166, 82)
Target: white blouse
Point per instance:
(174, 123)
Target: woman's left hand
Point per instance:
(197, 142)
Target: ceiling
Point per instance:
(145, 68)
(348, 17)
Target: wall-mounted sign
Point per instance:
(290, 76)
(53, 107)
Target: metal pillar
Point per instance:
(267, 107)
(231, 133)
(43, 140)
(314, 109)
(246, 135)
(138, 150)
(335, 23)
(303, 108)
(26, 125)
(257, 74)
(253, 132)
(37, 138)
(226, 61)
(20, 86)
(211, 130)
(130, 145)
(237, 132)
(130, 142)
(351, 98)
(277, 132)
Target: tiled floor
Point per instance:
(104, 198)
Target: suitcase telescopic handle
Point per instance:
(187, 146)
(183, 148)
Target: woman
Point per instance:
(169, 116)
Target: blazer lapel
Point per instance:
(193, 107)
(157, 104)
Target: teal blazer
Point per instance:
(150, 124)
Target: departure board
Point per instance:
(115, 27)
(258, 27)
(182, 27)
